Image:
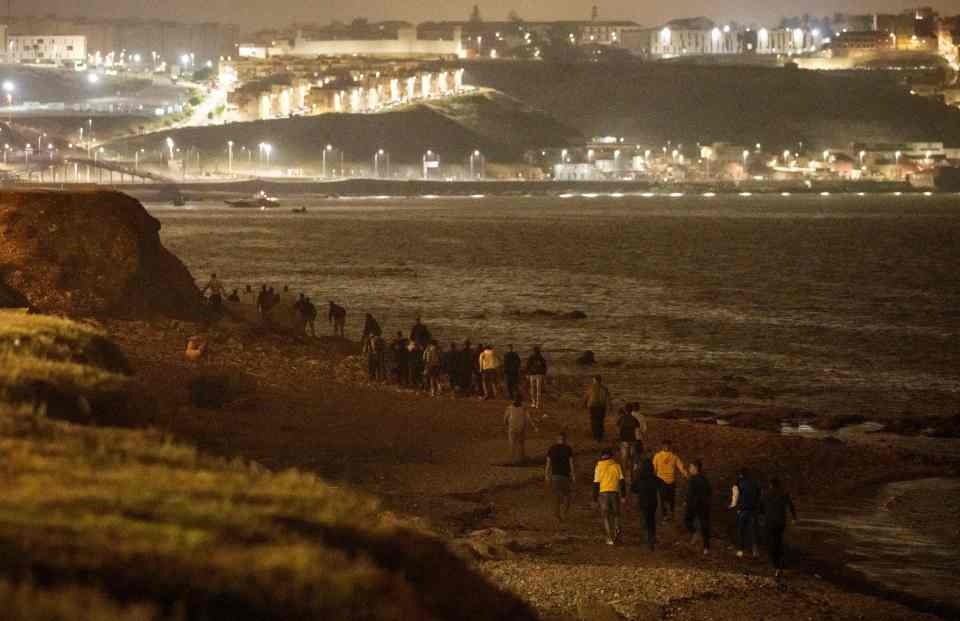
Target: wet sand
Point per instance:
(442, 461)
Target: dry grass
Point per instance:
(106, 523)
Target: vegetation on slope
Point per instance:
(107, 523)
(656, 102)
(454, 128)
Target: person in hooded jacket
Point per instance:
(698, 505)
(646, 487)
(776, 503)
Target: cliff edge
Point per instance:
(90, 253)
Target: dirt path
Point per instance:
(443, 460)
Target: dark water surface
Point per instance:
(836, 303)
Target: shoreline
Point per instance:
(474, 498)
(411, 189)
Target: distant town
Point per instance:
(220, 77)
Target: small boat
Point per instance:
(179, 200)
(299, 210)
(261, 199)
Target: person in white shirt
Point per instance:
(518, 421)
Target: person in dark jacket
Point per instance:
(745, 500)
(401, 359)
(537, 372)
(370, 328)
(698, 505)
(511, 372)
(420, 334)
(338, 317)
(465, 363)
(646, 486)
(776, 504)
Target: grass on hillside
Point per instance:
(66, 369)
(108, 523)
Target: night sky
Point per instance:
(258, 13)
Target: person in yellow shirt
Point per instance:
(667, 466)
(610, 491)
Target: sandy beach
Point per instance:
(443, 462)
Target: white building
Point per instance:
(46, 49)
(404, 45)
(787, 41)
(670, 42)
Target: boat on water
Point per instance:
(260, 200)
(179, 200)
(299, 210)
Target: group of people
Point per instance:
(268, 300)
(420, 362)
(653, 481)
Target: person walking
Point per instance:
(609, 492)
(776, 503)
(414, 365)
(511, 372)
(379, 347)
(537, 372)
(490, 372)
(451, 367)
(597, 402)
(745, 500)
(646, 487)
(216, 289)
(420, 334)
(263, 302)
(401, 358)
(338, 317)
(518, 422)
(698, 506)
(631, 444)
(370, 328)
(433, 367)
(668, 467)
(560, 475)
(309, 314)
(466, 361)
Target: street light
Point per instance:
(476, 155)
(230, 156)
(327, 148)
(381, 154)
(433, 163)
(136, 158)
(896, 160)
(267, 148)
(8, 88)
(170, 146)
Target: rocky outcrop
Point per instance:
(90, 253)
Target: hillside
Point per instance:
(109, 524)
(501, 127)
(656, 102)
